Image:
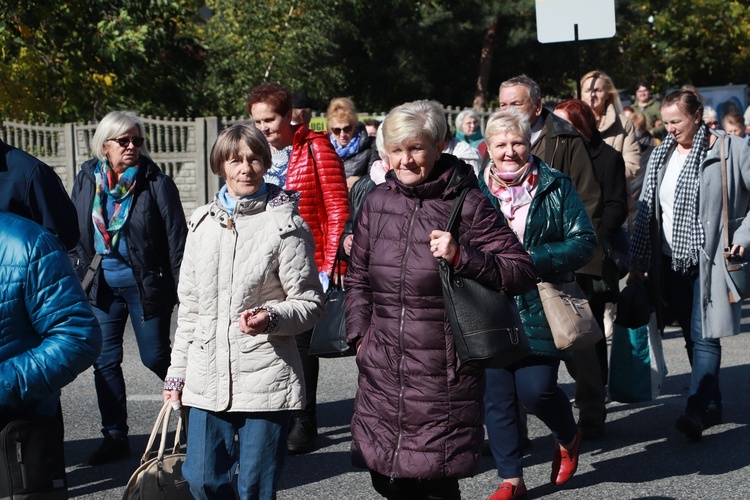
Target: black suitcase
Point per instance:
(32, 461)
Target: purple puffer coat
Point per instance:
(418, 413)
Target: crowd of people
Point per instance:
(553, 195)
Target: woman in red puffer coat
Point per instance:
(304, 161)
(418, 412)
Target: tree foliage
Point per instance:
(77, 59)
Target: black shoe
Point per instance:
(302, 434)
(712, 417)
(111, 449)
(691, 426)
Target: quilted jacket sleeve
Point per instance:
(578, 243)
(187, 292)
(489, 250)
(59, 313)
(335, 197)
(298, 275)
(359, 293)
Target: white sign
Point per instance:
(556, 20)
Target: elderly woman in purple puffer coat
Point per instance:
(418, 413)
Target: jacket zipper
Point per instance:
(401, 342)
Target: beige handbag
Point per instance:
(160, 477)
(569, 315)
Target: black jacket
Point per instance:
(31, 189)
(155, 232)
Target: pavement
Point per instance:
(641, 456)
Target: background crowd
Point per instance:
(588, 193)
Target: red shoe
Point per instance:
(564, 462)
(507, 491)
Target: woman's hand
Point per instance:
(174, 396)
(737, 250)
(254, 324)
(348, 239)
(443, 245)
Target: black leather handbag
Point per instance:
(486, 326)
(329, 335)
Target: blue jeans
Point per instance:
(533, 383)
(114, 305)
(704, 377)
(213, 453)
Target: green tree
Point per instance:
(79, 59)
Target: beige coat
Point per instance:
(261, 256)
(619, 132)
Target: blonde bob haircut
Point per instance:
(114, 124)
(229, 143)
(418, 119)
(613, 97)
(342, 109)
(509, 120)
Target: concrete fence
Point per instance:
(180, 147)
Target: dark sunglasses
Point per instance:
(124, 141)
(338, 130)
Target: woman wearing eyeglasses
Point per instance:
(349, 137)
(130, 214)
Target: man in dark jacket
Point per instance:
(31, 189)
(560, 145)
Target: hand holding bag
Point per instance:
(486, 326)
(569, 315)
(738, 267)
(160, 477)
(329, 335)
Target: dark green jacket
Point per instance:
(560, 239)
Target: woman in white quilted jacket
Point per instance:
(248, 284)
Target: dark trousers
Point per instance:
(415, 489)
(310, 369)
(678, 292)
(531, 382)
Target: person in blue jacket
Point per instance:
(48, 332)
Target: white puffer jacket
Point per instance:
(262, 256)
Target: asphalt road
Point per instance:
(642, 455)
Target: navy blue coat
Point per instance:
(155, 232)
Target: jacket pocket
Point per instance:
(260, 362)
(201, 353)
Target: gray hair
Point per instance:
(229, 142)
(509, 120)
(423, 119)
(114, 124)
(463, 115)
(708, 113)
(535, 93)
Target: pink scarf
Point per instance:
(513, 189)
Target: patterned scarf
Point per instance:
(279, 167)
(349, 150)
(106, 236)
(512, 189)
(687, 233)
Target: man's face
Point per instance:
(517, 97)
(642, 94)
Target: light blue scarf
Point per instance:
(349, 150)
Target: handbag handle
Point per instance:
(457, 205)
(724, 199)
(162, 420)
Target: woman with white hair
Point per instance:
(469, 129)
(542, 207)
(417, 422)
(130, 214)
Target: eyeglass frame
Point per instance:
(348, 130)
(123, 144)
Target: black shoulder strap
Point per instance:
(457, 205)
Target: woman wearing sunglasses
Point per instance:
(130, 214)
(350, 138)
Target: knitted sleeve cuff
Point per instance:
(174, 384)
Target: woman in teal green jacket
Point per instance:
(542, 207)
